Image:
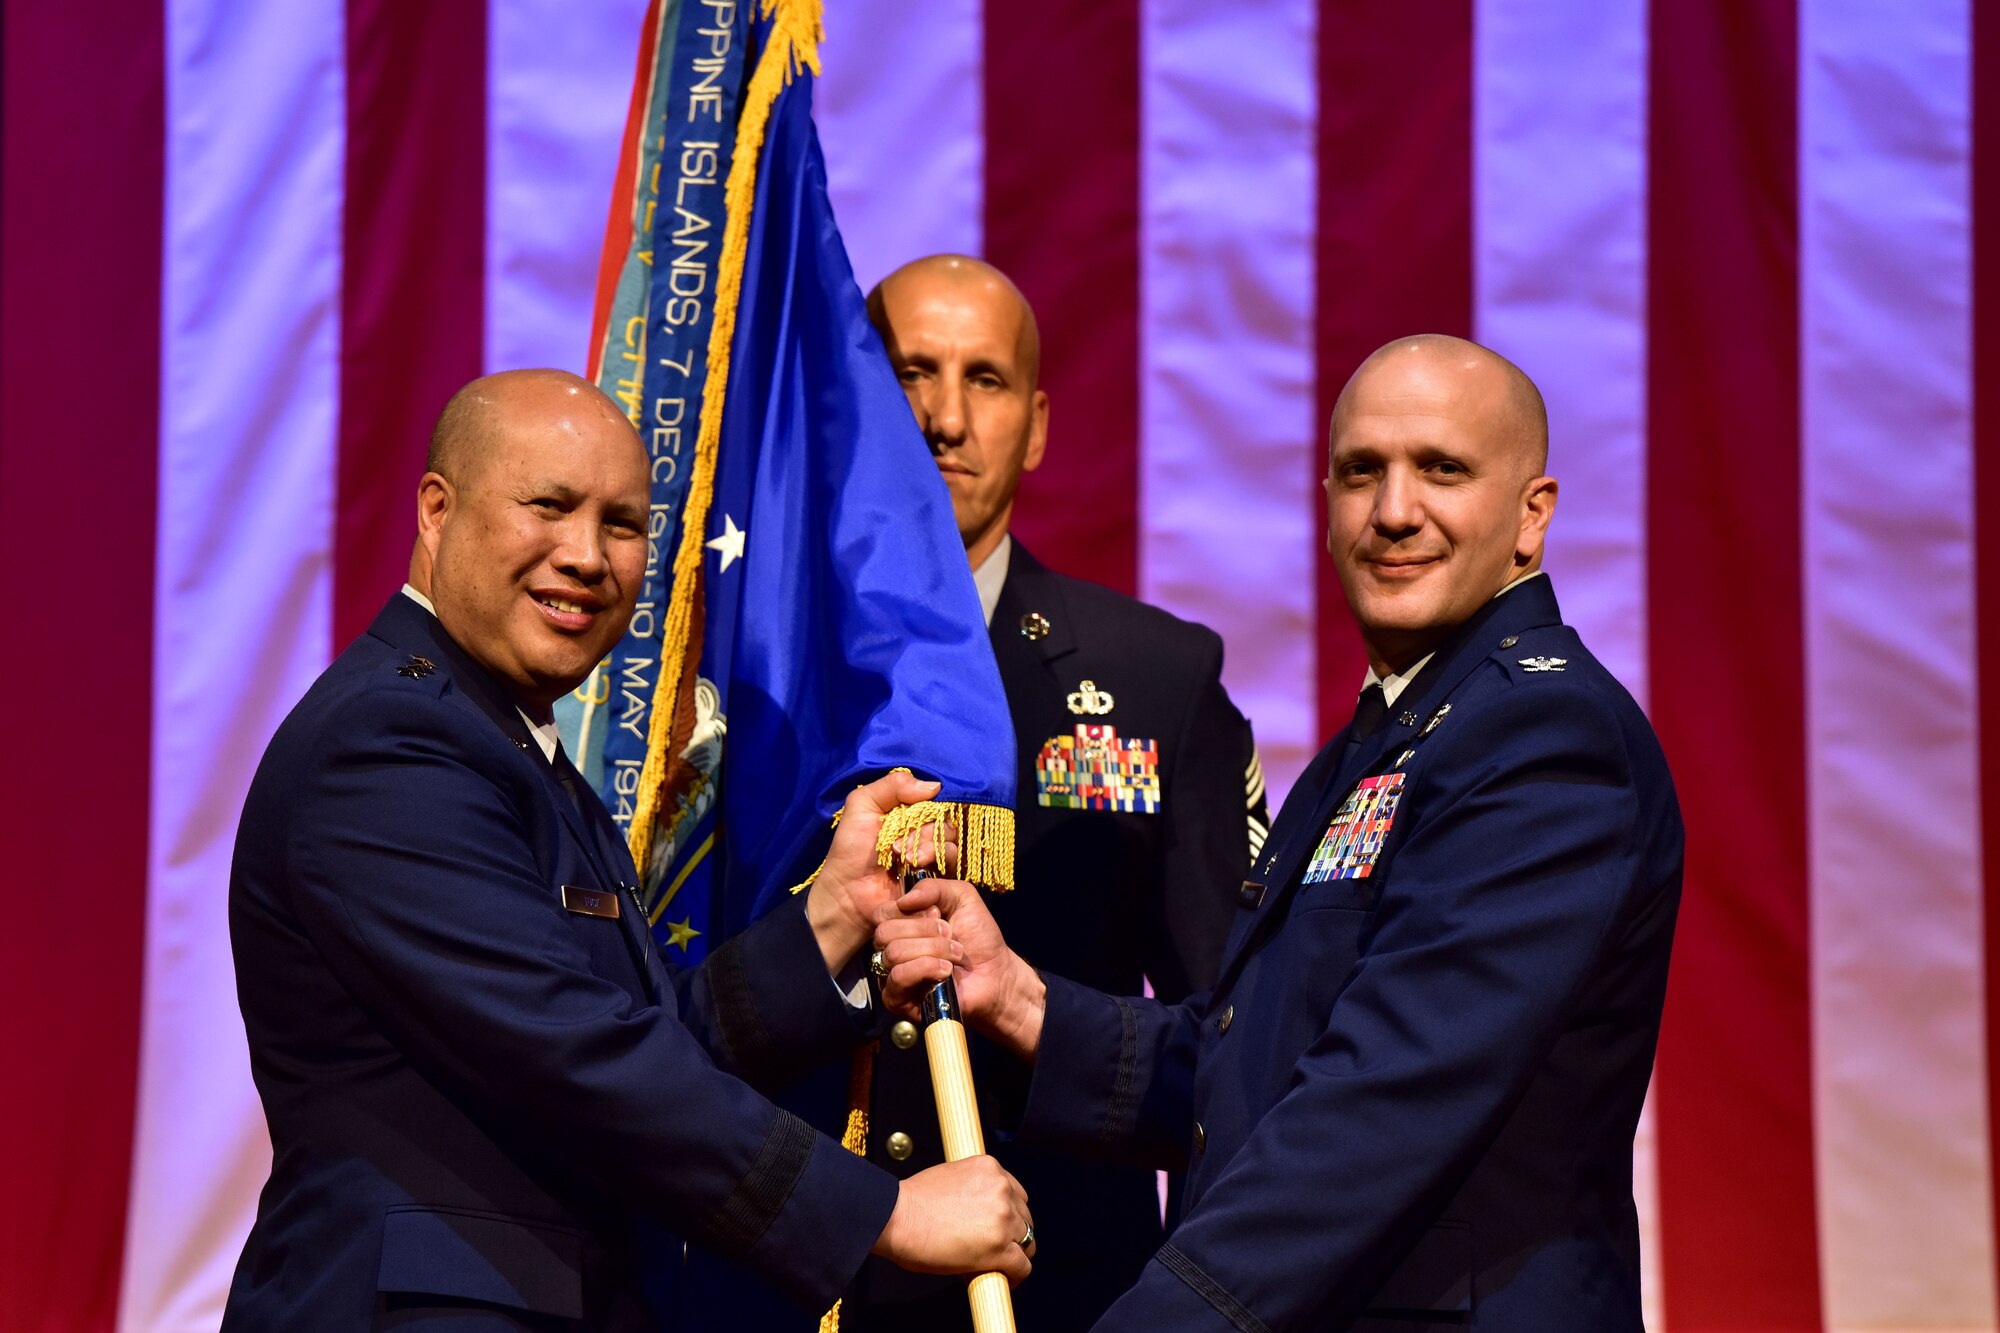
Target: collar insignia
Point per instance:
(1034, 626)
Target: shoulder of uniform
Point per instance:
(1546, 655)
(1096, 608)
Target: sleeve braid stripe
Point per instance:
(1121, 1108)
(758, 1198)
(1210, 1290)
(737, 1021)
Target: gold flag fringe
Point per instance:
(985, 840)
(796, 31)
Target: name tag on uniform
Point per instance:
(1353, 841)
(590, 902)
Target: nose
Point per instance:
(944, 413)
(580, 552)
(1398, 505)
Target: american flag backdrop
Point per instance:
(1747, 247)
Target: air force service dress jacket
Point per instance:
(480, 1078)
(1110, 897)
(1409, 1101)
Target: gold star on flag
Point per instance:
(680, 932)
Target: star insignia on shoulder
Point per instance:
(417, 668)
(680, 932)
(1544, 663)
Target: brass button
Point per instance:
(1200, 1139)
(1224, 1019)
(899, 1147)
(904, 1034)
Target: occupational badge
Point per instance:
(1544, 663)
(417, 668)
(1089, 700)
(1095, 769)
(1353, 841)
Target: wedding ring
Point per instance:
(878, 966)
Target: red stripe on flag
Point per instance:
(1725, 590)
(413, 298)
(82, 172)
(1395, 232)
(625, 185)
(1062, 220)
(1986, 512)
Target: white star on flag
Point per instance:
(730, 543)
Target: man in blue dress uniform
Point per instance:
(1142, 800)
(481, 1080)
(1408, 1102)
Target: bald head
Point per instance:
(1436, 500)
(532, 528)
(965, 349)
(968, 278)
(1507, 401)
(463, 440)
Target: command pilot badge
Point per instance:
(1354, 839)
(1094, 770)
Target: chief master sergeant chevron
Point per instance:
(1409, 1101)
(478, 1074)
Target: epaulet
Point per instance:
(1538, 652)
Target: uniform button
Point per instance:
(1200, 1139)
(1510, 641)
(1224, 1019)
(904, 1034)
(899, 1147)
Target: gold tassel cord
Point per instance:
(985, 839)
(793, 45)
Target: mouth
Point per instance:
(1401, 570)
(569, 611)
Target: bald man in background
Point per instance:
(1122, 881)
(1408, 1103)
(481, 1080)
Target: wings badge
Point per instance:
(1095, 769)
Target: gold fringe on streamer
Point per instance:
(794, 45)
(855, 1138)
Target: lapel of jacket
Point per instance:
(1029, 590)
(414, 630)
(1529, 606)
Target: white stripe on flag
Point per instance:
(1559, 279)
(558, 83)
(1899, 1066)
(1559, 275)
(255, 137)
(1226, 428)
(901, 120)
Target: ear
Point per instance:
(1038, 431)
(436, 498)
(1538, 506)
